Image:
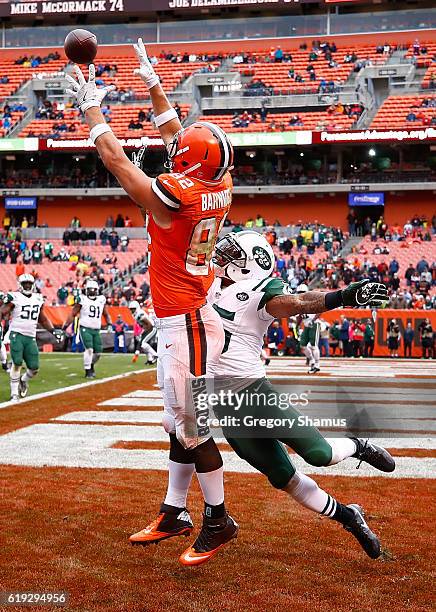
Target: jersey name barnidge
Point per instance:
(25, 314)
(214, 200)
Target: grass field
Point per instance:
(60, 370)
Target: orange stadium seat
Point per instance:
(394, 110)
(311, 121)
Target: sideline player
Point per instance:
(186, 208)
(147, 336)
(309, 338)
(3, 351)
(248, 300)
(90, 307)
(25, 310)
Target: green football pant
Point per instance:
(24, 348)
(91, 339)
(269, 455)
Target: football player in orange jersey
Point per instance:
(186, 209)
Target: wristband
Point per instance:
(333, 299)
(98, 130)
(165, 117)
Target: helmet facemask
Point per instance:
(26, 288)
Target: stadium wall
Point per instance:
(330, 209)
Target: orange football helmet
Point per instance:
(201, 150)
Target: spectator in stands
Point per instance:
(178, 110)
(275, 337)
(124, 241)
(411, 116)
(114, 240)
(263, 116)
(62, 294)
(278, 55)
(119, 221)
(408, 337)
(135, 125)
(109, 222)
(393, 336)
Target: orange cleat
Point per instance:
(135, 358)
(167, 525)
(214, 534)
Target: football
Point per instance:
(81, 46)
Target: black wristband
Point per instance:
(333, 299)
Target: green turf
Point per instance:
(60, 370)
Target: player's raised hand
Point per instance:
(145, 70)
(85, 92)
(365, 293)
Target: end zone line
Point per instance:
(38, 396)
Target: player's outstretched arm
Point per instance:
(133, 180)
(6, 309)
(166, 118)
(361, 294)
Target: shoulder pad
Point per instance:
(168, 189)
(272, 288)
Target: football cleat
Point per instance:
(23, 388)
(15, 399)
(363, 534)
(214, 534)
(374, 455)
(151, 361)
(88, 374)
(5, 367)
(267, 361)
(167, 525)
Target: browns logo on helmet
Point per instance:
(201, 150)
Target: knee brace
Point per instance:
(178, 454)
(207, 457)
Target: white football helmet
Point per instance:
(26, 284)
(303, 288)
(91, 289)
(243, 256)
(134, 306)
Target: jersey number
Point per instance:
(94, 311)
(202, 244)
(29, 312)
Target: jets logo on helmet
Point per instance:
(243, 256)
(134, 306)
(26, 284)
(201, 150)
(91, 289)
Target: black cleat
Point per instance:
(5, 367)
(214, 534)
(374, 455)
(89, 374)
(23, 388)
(363, 534)
(167, 525)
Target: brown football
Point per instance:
(81, 46)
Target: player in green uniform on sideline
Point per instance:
(25, 310)
(248, 300)
(90, 307)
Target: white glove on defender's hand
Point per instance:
(86, 93)
(145, 70)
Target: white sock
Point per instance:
(307, 493)
(316, 355)
(149, 350)
(212, 485)
(308, 352)
(14, 375)
(87, 358)
(3, 354)
(28, 375)
(342, 448)
(179, 479)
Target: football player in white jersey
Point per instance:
(3, 351)
(25, 310)
(309, 338)
(248, 300)
(90, 307)
(147, 336)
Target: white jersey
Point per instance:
(241, 307)
(91, 311)
(25, 314)
(143, 318)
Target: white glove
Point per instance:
(86, 93)
(145, 70)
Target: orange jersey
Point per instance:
(180, 272)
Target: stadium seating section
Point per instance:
(275, 75)
(310, 121)
(395, 109)
(18, 74)
(121, 115)
(61, 272)
(425, 61)
(15, 117)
